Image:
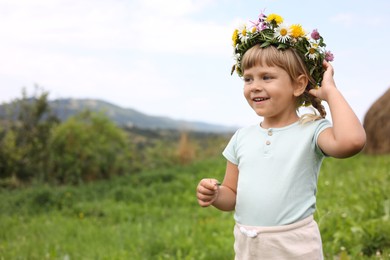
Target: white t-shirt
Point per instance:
(278, 172)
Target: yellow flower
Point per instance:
(235, 37)
(297, 30)
(274, 17)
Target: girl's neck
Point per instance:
(278, 123)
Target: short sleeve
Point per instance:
(230, 152)
(322, 125)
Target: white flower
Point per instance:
(282, 33)
(312, 52)
(243, 33)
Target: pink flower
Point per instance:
(262, 16)
(329, 56)
(260, 23)
(315, 35)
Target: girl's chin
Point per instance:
(258, 112)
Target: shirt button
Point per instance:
(270, 133)
(268, 142)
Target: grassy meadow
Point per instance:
(154, 215)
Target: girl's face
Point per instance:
(271, 93)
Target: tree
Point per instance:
(26, 130)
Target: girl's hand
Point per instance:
(327, 85)
(207, 192)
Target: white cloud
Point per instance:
(150, 25)
(50, 42)
(82, 75)
(68, 23)
(120, 51)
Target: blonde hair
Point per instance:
(290, 61)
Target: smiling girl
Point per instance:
(273, 166)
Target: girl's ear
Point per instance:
(300, 85)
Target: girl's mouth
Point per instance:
(259, 99)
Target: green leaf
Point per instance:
(233, 69)
(282, 46)
(265, 44)
(312, 70)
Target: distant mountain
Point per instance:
(128, 117)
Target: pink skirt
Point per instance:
(300, 240)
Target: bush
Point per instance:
(88, 147)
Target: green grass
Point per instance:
(154, 215)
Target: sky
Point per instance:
(173, 57)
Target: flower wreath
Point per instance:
(270, 30)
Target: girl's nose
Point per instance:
(256, 86)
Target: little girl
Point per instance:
(272, 167)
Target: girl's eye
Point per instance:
(247, 80)
(266, 77)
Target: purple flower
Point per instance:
(329, 56)
(263, 26)
(260, 23)
(315, 35)
(262, 16)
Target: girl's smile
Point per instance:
(259, 99)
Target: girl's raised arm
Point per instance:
(347, 136)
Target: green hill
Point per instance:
(127, 117)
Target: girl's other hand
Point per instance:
(207, 192)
